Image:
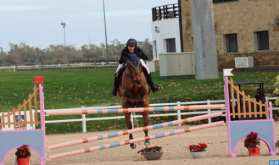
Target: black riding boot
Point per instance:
(151, 84)
(114, 91)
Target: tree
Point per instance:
(276, 91)
(25, 54)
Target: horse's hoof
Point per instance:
(140, 98)
(147, 144)
(134, 146)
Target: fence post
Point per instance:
(266, 99)
(208, 111)
(16, 66)
(95, 65)
(42, 65)
(81, 64)
(178, 113)
(132, 121)
(33, 117)
(83, 122)
(68, 65)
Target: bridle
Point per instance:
(132, 74)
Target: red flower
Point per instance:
(197, 148)
(25, 146)
(23, 152)
(251, 140)
(151, 149)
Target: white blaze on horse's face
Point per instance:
(136, 74)
(131, 48)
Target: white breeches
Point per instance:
(142, 63)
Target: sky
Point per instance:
(38, 22)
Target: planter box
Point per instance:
(152, 155)
(198, 155)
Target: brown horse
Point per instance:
(134, 91)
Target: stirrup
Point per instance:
(113, 92)
(155, 87)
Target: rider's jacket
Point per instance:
(137, 51)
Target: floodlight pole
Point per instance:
(64, 25)
(105, 30)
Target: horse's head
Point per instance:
(134, 66)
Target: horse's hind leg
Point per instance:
(145, 116)
(129, 126)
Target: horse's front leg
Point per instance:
(129, 126)
(145, 123)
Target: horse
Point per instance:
(134, 91)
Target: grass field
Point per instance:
(83, 87)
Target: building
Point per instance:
(165, 27)
(243, 28)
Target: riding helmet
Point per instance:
(132, 42)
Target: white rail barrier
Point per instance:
(12, 68)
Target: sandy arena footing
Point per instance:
(175, 149)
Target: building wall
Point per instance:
(243, 17)
(168, 29)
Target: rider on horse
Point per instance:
(132, 48)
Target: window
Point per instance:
(217, 1)
(230, 43)
(261, 40)
(170, 45)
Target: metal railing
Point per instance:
(165, 12)
(83, 119)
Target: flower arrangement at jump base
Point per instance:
(23, 155)
(251, 142)
(152, 153)
(198, 151)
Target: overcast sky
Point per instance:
(38, 22)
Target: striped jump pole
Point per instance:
(141, 109)
(121, 133)
(141, 139)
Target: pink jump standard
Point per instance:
(248, 121)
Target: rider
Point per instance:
(132, 48)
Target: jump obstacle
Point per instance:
(127, 110)
(141, 139)
(121, 133)
(237, 130)
(141, 109)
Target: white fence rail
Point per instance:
(38, 66)
(83, 119)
